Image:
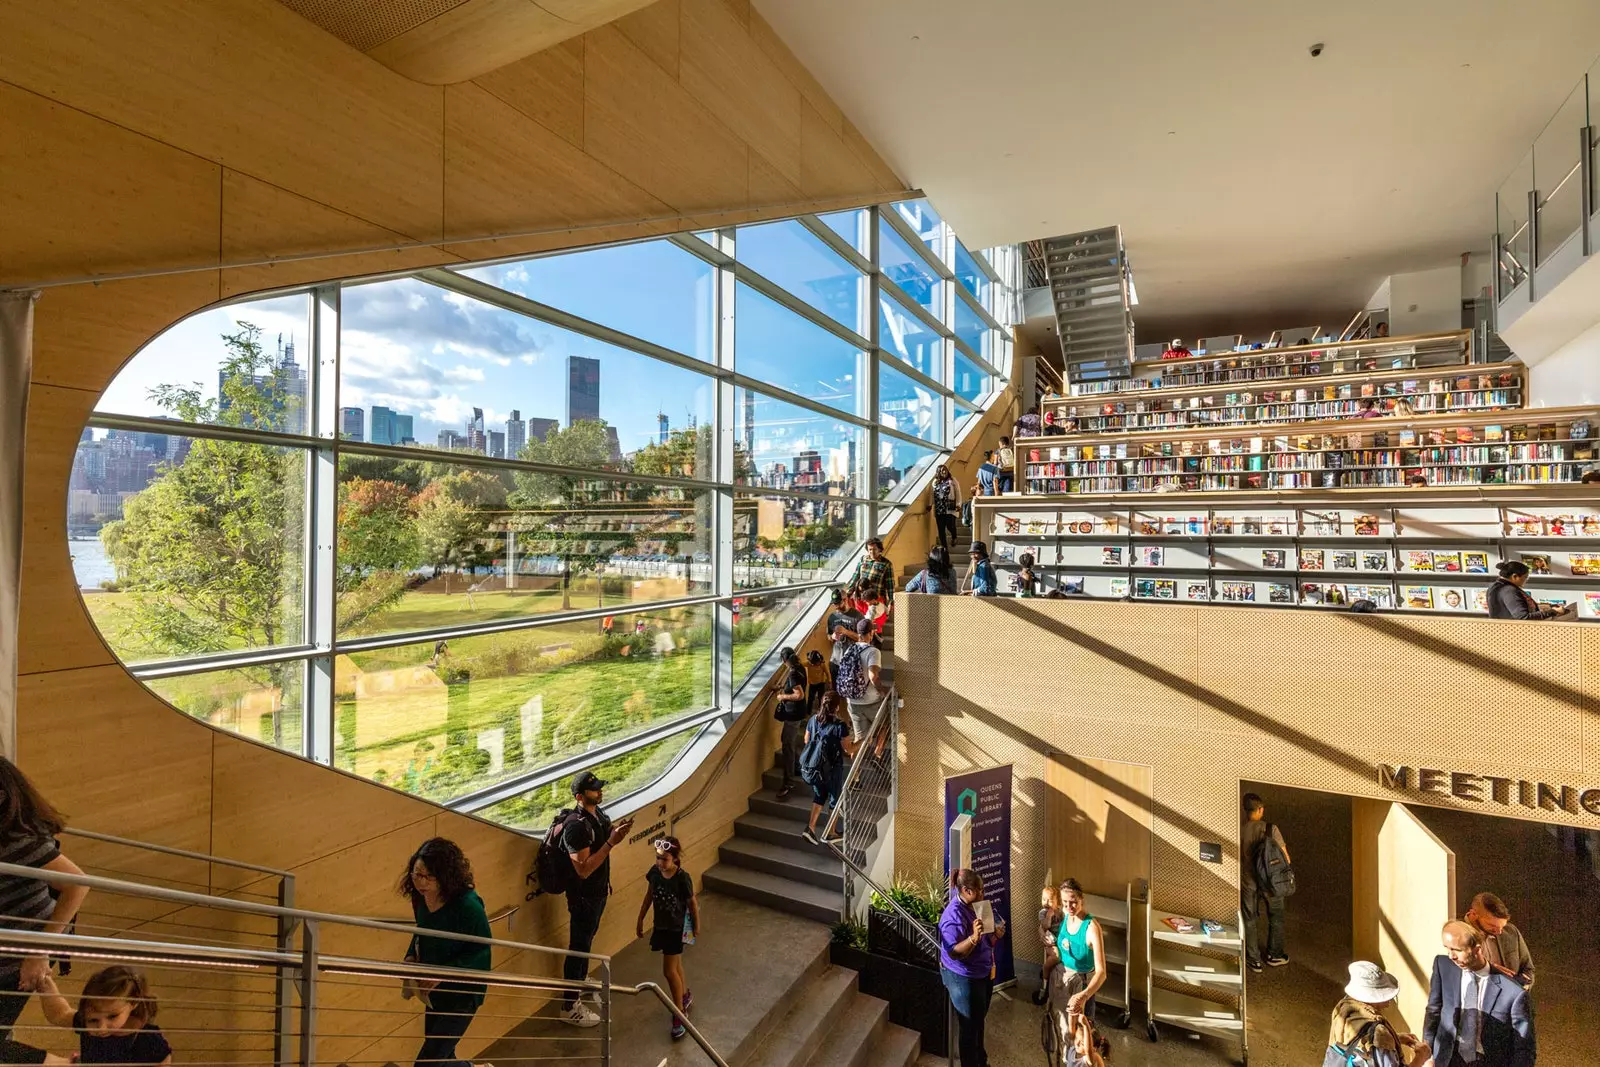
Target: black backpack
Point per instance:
(822, 754)
(552, 866)
(1274, 875)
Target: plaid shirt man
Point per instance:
(873, 578)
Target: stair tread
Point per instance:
(776, 823)
(852, 1033)
(897, 1047)
(800, 1030)
(797, 802)
(749, 846)
(727, 874)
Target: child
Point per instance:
(878, 612)
(1049, 930)
(670, 890)
(1027, 581)
(818, 680)
(115, 1021)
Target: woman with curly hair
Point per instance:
(438, 882)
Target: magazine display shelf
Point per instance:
(1116, 927)
(1534, 446)
(1209, 966)
(1447, 347)
(1419, 550)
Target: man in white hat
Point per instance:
(1361, 1035)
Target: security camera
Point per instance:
(1316, 50)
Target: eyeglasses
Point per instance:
(662, 846)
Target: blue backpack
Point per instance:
(823, 753)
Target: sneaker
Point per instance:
(580, 1015)
(1255, 966)
(783, 794)
(1277, 961)
(678, 1029)
(810, 835)
(688, 1000)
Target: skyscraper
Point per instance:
(539, 429)
(583, 389)
(497, 444)
(749, 423)
(401, 430)
(350, 424)
(516, 434)
(283, 387)
(452, 440)
(477, 439)
(383, 427)
(661, 420)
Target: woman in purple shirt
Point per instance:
(966, 963)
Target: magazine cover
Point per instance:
(1311, 559)
(1280, 593)
(1478, 599)
(1151, 555)
(1119, 588)
(1166, 589)
(1380, 595)
(1272, 558)
(1447, 562)
(1005, 551)
(1320, 523)
(1367, 525)
(1475, 562)
(1344, 559)
(1584, 562)
(1111, 556)
(1011, 523)
(1239, 591)
(1590, 525)
(1538, 562)
(1198, 591)
(1591, 603)
(1145, 587)
(1250, 524)
(1312, 593)
(1374, 561)
(1419, 559)
(1072, 585)
(1222, 524)
(1449, 599)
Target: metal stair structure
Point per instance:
(1089, 291)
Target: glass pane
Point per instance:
(655, 291)
(961, 416)
(239, 365)
(900, 462)
(792, 256)
(851, 225)
(971, 275)
(779, 540)
(924, 220)
(428, 545)
(775, 345)
(265, 703)
(970, 381)
(907, 405)
(625, 774)
(909, 337)
(441, 719)
(785, 446)
(760, 622)
(887, 517)
(972, 329)
(455, 373)
(186, 546)
(903, 266)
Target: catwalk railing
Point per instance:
(245, 983)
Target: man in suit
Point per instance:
(1476, 1017)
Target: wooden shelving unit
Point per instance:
(1195, 980)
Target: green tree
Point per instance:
(378, 544)
(554, 513)
(455, 517)
(687, 454)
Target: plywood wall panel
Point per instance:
(247, 84)
(656, 31)
(547, 87)
(767, 39)
(81, 195)
(643, 125)
(727, 72)
(827, 166)
(83, 334)
(767, 185)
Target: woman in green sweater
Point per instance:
(438, 882)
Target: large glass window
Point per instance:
(797, 259)
(526, 462)
(774, 345)
(441, 718)
(654, 290)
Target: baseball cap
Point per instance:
(863, 626)
(587, 780)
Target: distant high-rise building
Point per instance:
(516, 434)
(401, 430)
(452, 441)
(284, 386)
(616, 445)
(351, 424)
(749, 423)
(477, 439)
(497, 444)
(383, 427)
(808, 472)
(539, 429)
(661, 421)
(583, 389)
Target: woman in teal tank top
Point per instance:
(1081, 947)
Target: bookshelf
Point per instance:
(1115, 918)
(1196, 977)
(1525, 446)
(1416, 551)
(1287, 361)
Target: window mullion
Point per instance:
(323, 506)
(724, 461)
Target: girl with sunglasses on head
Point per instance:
(669, 889)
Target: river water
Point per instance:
(89, 562)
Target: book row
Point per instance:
(1389, 477)
(1485, 522)
(1250, 412)
(1350, 559)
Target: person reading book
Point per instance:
(1507, 600)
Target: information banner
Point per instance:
(986, 796)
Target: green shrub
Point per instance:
(850, 933)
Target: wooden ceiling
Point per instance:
(441, 42)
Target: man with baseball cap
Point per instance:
(588, 838)
(1361, 1034)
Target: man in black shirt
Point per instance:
(792, 712)
(588, 838)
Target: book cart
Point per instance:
(1116, 928)
(1196, 977)
(1417, 550)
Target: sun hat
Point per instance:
(1371, 984)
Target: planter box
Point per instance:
(915, 993)
(891, 934)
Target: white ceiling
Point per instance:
(1251, 181)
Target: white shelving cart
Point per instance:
(1116, 927)
(1211, 964)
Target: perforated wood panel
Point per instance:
(366, 24)
(1208, 696)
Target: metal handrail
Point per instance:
(168, 850)
(745, 729)
(504, 913)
